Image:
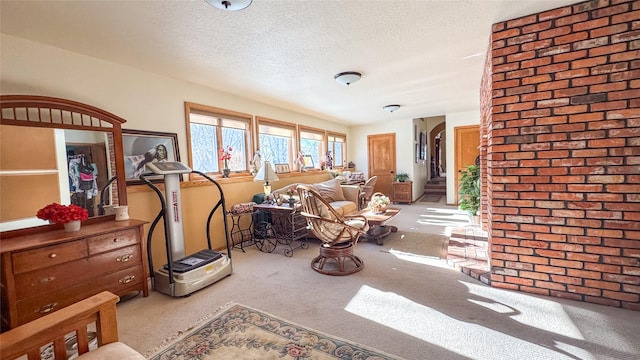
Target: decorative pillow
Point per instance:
(330, 190)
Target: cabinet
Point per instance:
(402, 192)
(44, 271)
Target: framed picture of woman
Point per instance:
(142, 147)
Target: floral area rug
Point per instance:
(240, 332)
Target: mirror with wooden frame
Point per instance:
(44, 144)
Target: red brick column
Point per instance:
(485, 122)
(563, 153)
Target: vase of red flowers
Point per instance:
(72, 226)
(69, 215)
(46, 213)
(225, 156)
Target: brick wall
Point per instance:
(485, 122)
(563, 153)
(112, 165)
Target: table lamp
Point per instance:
(266, 174)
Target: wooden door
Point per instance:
(467, 145)
(382, 160)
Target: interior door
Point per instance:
(382, 160)
(467, 145)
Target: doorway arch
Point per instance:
(438, 151)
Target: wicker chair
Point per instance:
(366, 190)
(338, 234)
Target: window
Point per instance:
(208, 130)
(336, 143)
(276, 141)
(311, 143)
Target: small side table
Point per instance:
(402, 192)
(241, 235)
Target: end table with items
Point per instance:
(279, 224)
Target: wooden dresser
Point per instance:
(45, 271)
(402, 192)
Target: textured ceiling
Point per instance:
(425, 55)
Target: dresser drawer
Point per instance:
(35, 307)
(107, 263)
(122, 281)
(107, 242)
(30, 260)
(38, 282)
(118, 283)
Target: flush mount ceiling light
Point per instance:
(391, 108)
(347, 77)
(230, 5)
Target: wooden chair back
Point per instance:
(27, 339)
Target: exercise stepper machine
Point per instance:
(193, 272)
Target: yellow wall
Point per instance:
(197, 201)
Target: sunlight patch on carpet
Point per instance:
(420, 259)
(524, 308)
(423, 322)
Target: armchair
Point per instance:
(366, 192)
(338, 234)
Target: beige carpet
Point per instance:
(412, 306)
(241, 332)
(419, 244)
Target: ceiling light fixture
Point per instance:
(229, 5)
(391, 108)
(347, 77)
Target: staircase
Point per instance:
(436, 186)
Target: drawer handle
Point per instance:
(53, 255)
(124, 258)
(115, 240)
(44, 280)
(127, 279)
(48, 308)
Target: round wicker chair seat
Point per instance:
(337, 259)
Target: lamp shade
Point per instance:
(266, 173)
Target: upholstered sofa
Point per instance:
(343, 198)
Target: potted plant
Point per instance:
(401, 177)
(225, 156)
(69, 215)
(469, 190)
